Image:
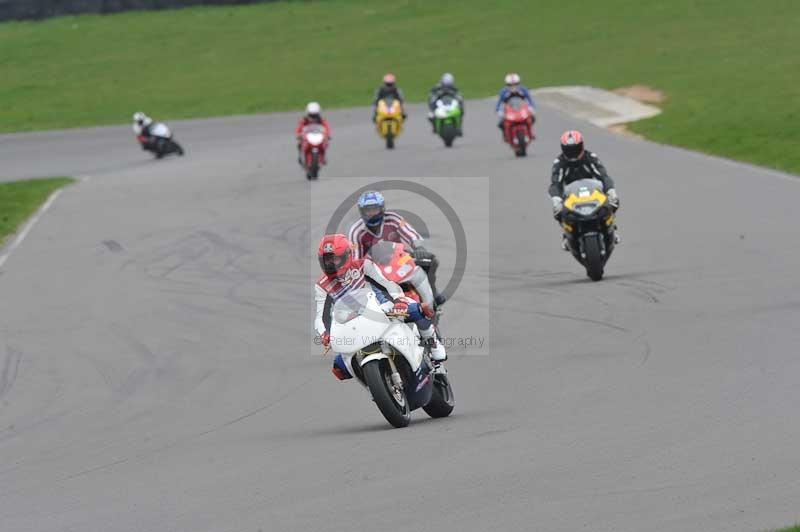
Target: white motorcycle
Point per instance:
(387, 356)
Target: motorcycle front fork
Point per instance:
(582, 250)
(397, 381)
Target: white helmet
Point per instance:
(313, 108)
(512, 79)
(142, 119)
(447, 80)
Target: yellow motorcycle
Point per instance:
(389, 120)
(588, 221)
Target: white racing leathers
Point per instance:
(364, 273)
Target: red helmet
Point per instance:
(389, 79)
(334, 254)
(572, 145)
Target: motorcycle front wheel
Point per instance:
(521, 144)
(177, 148)
(313, 168)
(448, 134)
(594, 259)
(391, 401)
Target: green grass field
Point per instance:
(795, 528)
(730, 68)
(20, 199)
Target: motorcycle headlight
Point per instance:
(343, 315)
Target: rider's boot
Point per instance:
(438, 352)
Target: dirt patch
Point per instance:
(642, 93)
(622, 129)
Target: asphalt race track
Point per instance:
(157, 370)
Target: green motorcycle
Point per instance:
(447, 119)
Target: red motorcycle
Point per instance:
(314, 142)
(518, 125)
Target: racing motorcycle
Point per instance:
(389, 120)
(518, 125)
(387, 356)
(447, 119)
(160, 141)
(313, 144)
(588, 221)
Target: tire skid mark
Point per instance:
(578, 319)
(10, 369)
(648, 349)
(185, 439)
(641, 292)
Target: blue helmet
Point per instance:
(372, 207)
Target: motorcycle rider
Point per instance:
(313, 116)
(513, 87)
(388, 88)
(446, 86)
(574, 163)
(141, 127)
(376, 223)
(342, 272)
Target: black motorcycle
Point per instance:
(160, 142)
(588, 222)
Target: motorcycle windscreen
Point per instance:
(445, 106)
(358, 321)
(583, 188)
(581, 196)
(350, 306)
(381, 252)
(515, 102)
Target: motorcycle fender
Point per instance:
(593, 234)
(376, 356)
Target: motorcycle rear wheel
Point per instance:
(392, 403)
(442, 401)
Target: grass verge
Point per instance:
(20, 199)
(795, 528)
(728, 67)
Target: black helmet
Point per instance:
(572, 145)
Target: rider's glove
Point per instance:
(427, 311)
(558, 205)
(422, 257)
(399, 309)
(325, 339)
(613, 198)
